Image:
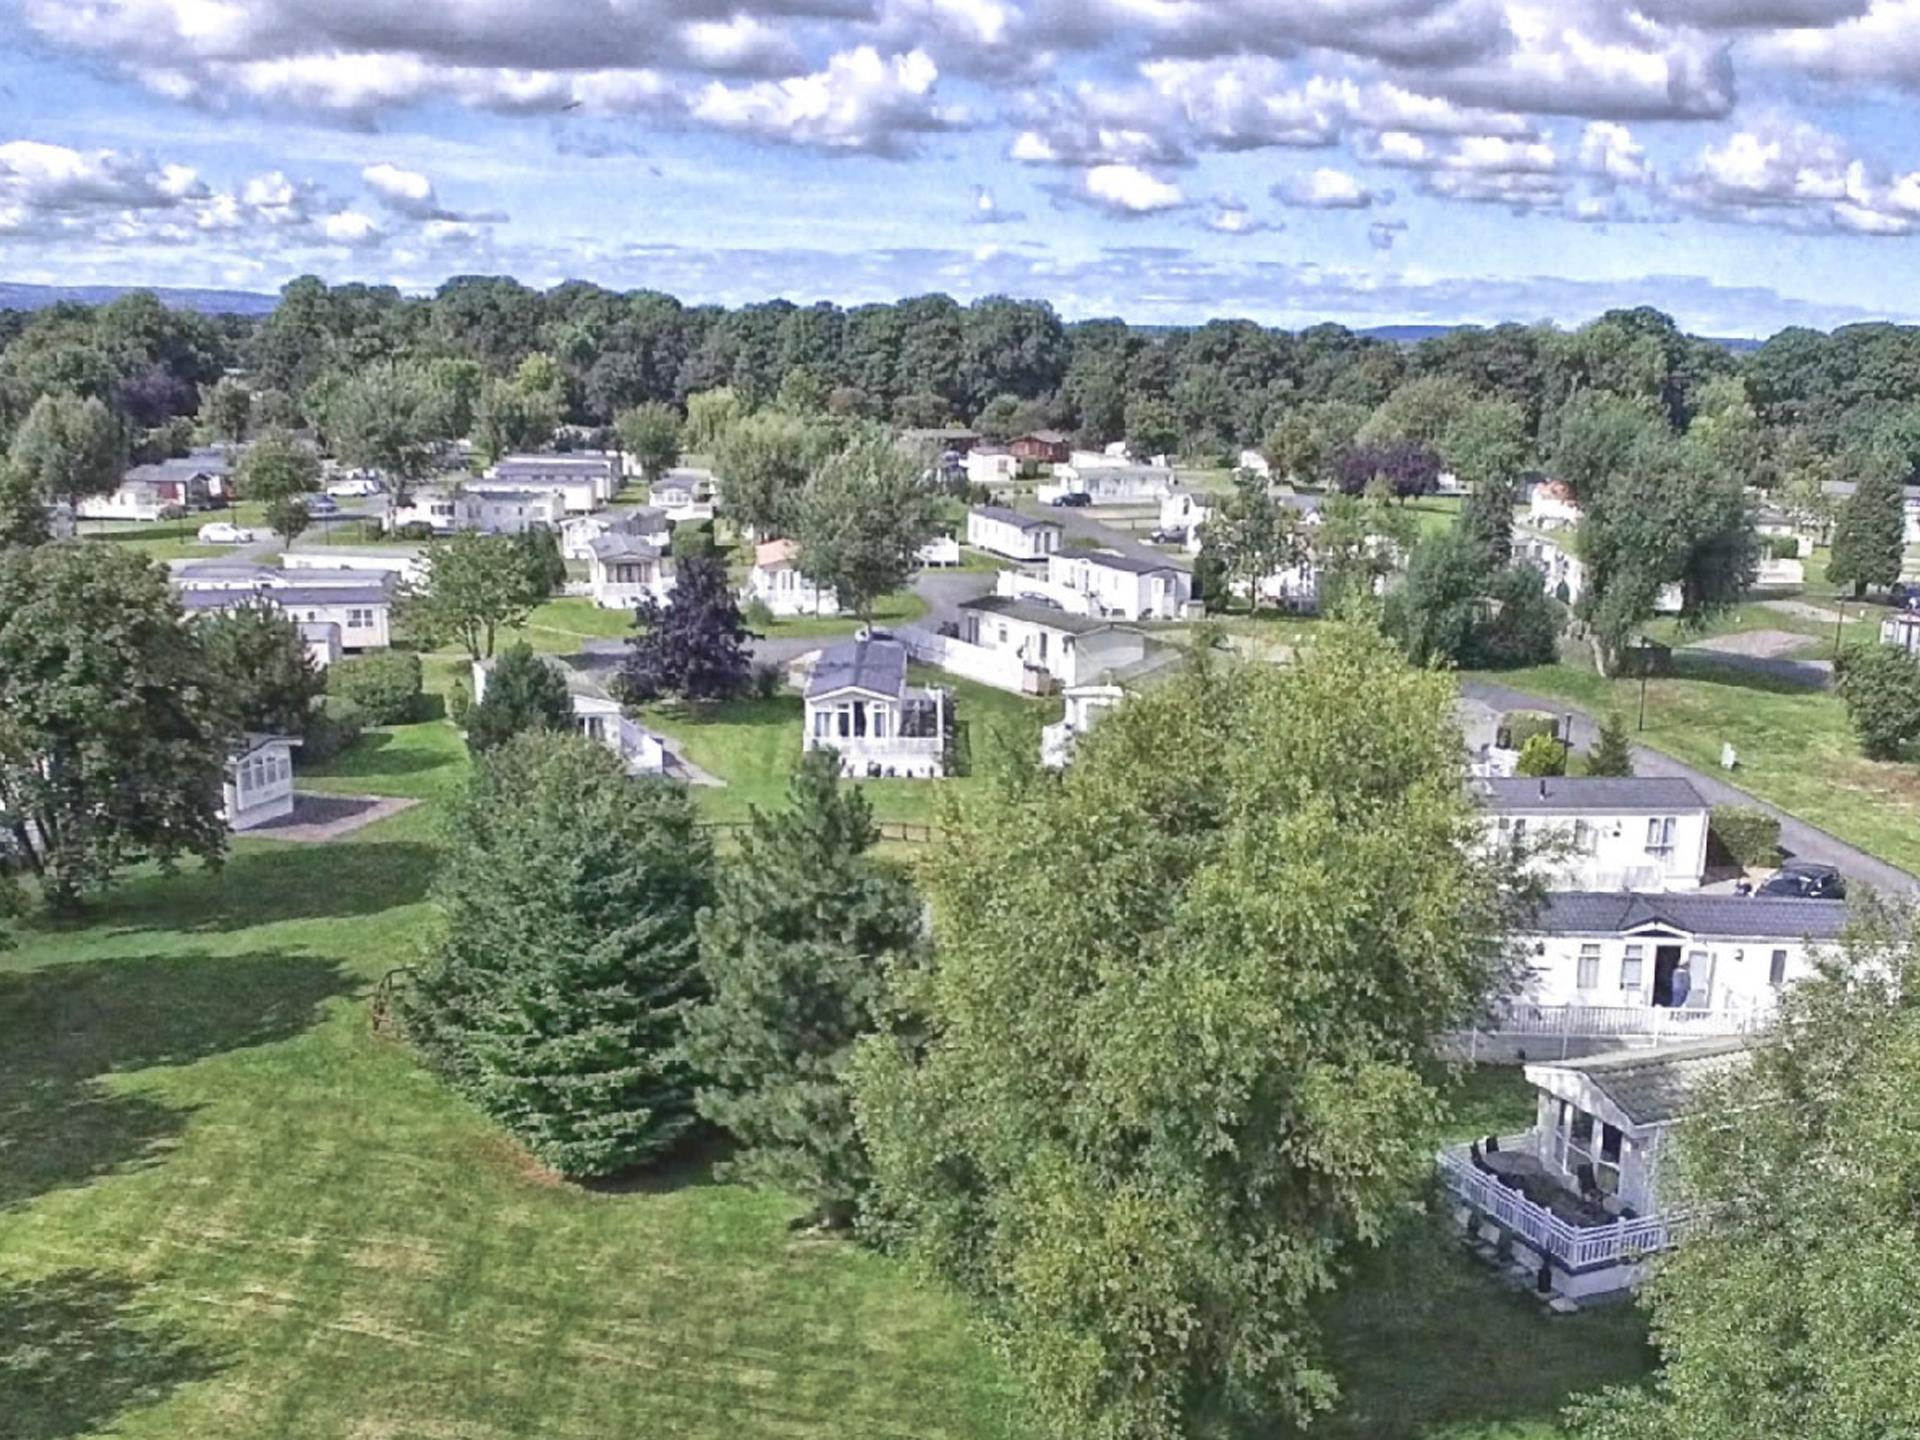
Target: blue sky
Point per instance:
(1746, 164)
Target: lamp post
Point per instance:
(1839, 619)
(1642, 649)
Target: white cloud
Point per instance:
(349, 227)
(860, 101)
(987, 211)
(1324, 189)
(1881, 46)
(1229, 215)
(1795, 176)
(1128, 190)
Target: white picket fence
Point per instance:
(972, 662)
(1627, 1025)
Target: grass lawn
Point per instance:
(903, 607)
(1431, 514)
(228, 1210)
(1796, 747)
(753, 745)
(174, 539)
(560, 626)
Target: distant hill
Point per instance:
(1414, 334)
(207, 302)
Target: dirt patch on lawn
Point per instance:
(1761, 644)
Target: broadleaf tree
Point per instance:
(564, 962)
(862, 519)
(474, 586)
(693, 647)
(113, 727)
(1788, 1310)
(266, 679)
(1169, 1062)
(69, 448)
(651, 434)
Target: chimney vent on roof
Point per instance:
(1543, 787)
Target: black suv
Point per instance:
(1806, 880)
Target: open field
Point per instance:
(229, 1210)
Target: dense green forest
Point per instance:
(929, 360)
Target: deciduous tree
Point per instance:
(795, 953)
(265, 678)
(862, 519)
(1880, 685)
(278, 467)
(226, 410)
(394, 418)
(1788, 1308)
(69, 448)
(113, 730)
(651, 434)
(1168, 1063)
(762, 463)
(475, 585)
(693, 647)
(565, 962)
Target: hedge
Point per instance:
(1751, 836)
(385, 685)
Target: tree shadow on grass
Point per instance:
(689, 1166)
(377, 753)
(337, 880)
(77, 1352)
(1771, 677)
(63, 1029)
(1425, 1342)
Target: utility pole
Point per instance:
(1839, 619)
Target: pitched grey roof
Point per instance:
(1845, 488)
(572, 465)
(182, 467)
(1033, 614)
(224, 571)
(289, 596)
(1013, 517)
(875, 663)
(643, 520)
(1131, 564)
(1714, 917)
(1590, 794)
(1662, 1084)
(618, 545)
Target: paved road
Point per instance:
(1797, 837)
(1085, 524)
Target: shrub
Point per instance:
(385, 685)
(757, 615)
(414, 530)
(460, 702)
(1750, 835)
(1519, 726)
(1782, 547)
(767, 680)
(335, 726)
(1541, 755)
(1881, 687)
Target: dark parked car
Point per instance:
(1174, 536)
(1075, 501)
(1806, 880)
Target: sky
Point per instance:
(1742, 164)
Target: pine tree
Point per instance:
(795, 954)
(557, 990)
(1612, 752)
(523, 692)
(1868, 533)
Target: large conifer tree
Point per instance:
(1868, 533)
(558, 987)
(795, 953)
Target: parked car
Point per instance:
(1805, 880)
(1077, 500)
(1905, 596)
(219, 532)
(321, 505)
(355, 489)
(1173, 536)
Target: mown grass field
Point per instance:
(229, 1210)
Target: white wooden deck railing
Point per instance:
(1577, 1247)
(1644, 1023)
